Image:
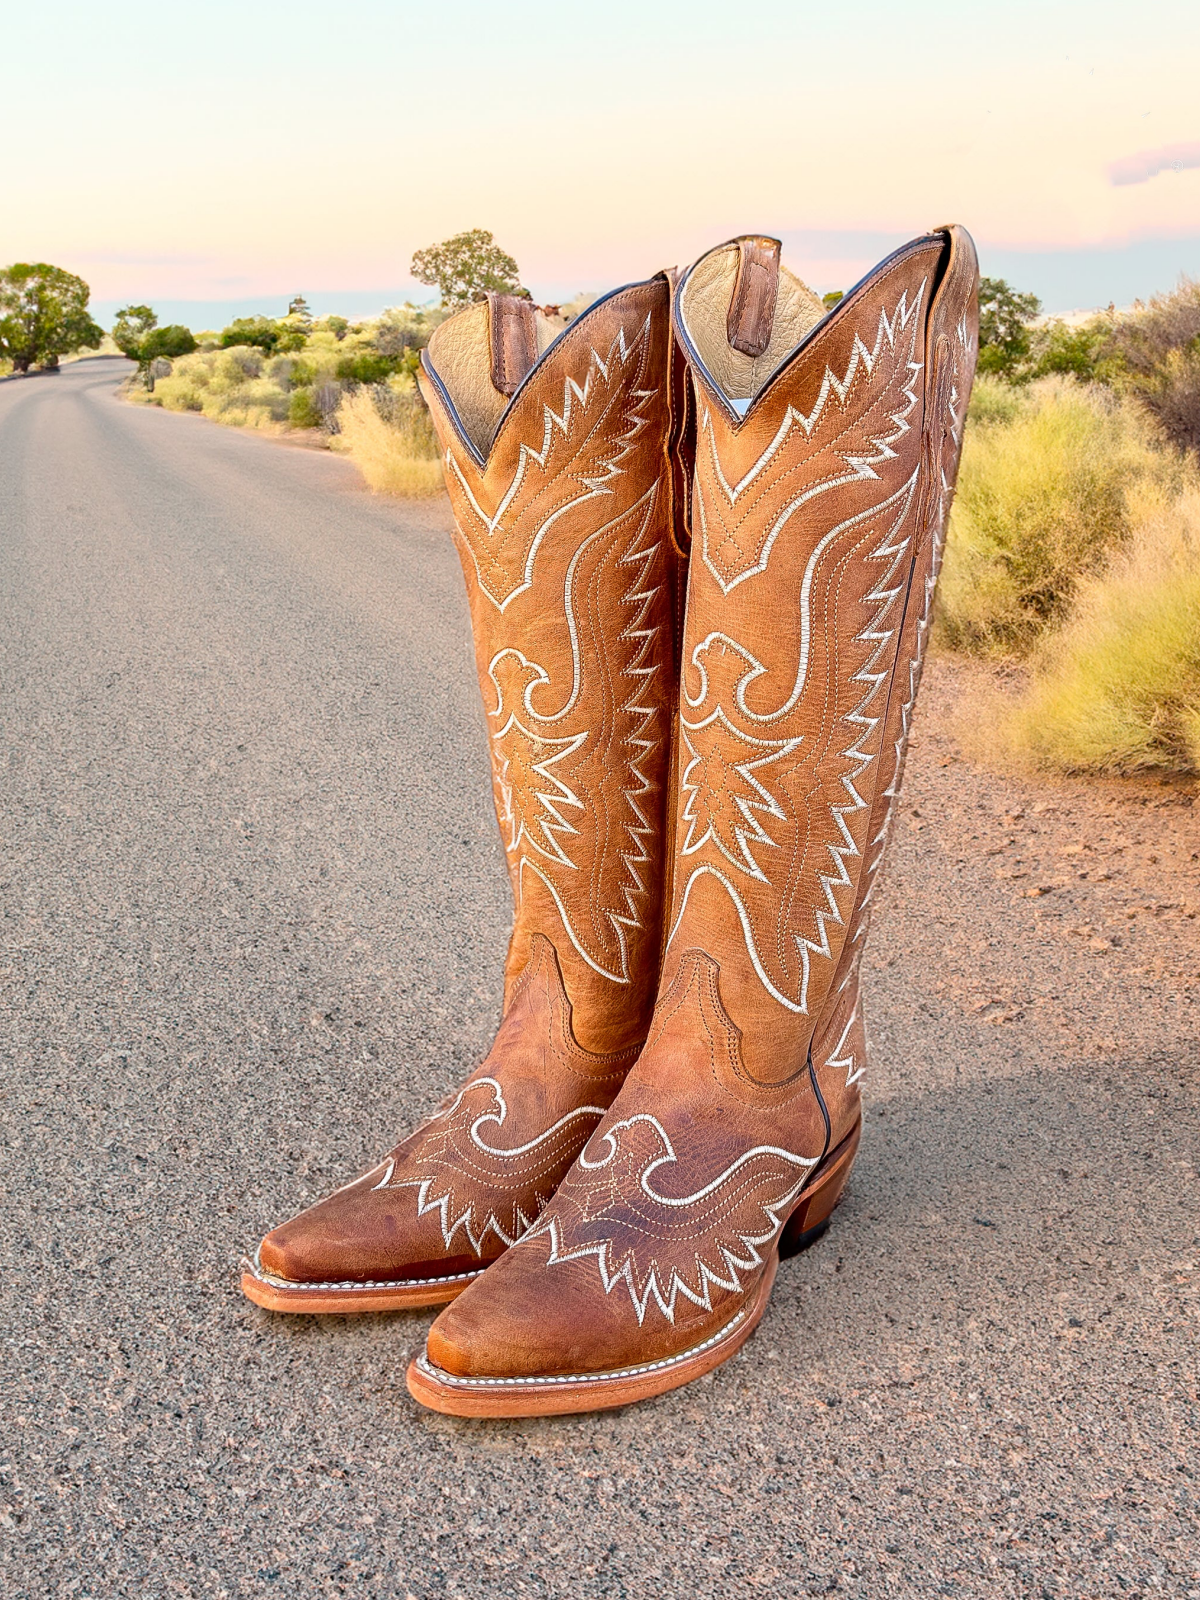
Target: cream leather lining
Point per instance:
(460, 353)
(704, 308)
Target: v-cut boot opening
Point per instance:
(744, 314)
(481, 355)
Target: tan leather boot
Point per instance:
(826, 454)
(562, 463)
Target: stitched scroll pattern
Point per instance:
(791, 645)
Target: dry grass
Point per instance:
(383, 427)
(1116, 690)
(1053, 479)
(235, 387)
(396, 453)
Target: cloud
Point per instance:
(1148, 164)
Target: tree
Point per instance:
(130, 327)
(298, 307)
(1004, 318)
(43, 315)
(136, 334)
(465, 267)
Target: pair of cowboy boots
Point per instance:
(701, 530)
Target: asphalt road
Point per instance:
(252, 910)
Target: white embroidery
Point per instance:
(639, 744)
(955, 413)
(749, 1223)
(753, 833)
(494, 1111)
(861, 466)
(903, 495)
(538, 753)
(556, 426)
(883, 594)
(836, 1059)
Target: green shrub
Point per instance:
(365, 366)
(993, 401)
(302, 409)
(1049, 485)
(258, 384)
(1117, 689)
(1072, 350)
(235, 366)
(178, 392)
(260, 331)
(169, 342)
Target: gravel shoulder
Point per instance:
(253, 910)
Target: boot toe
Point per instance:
(525, 1320)
(359, 1238)
(302, 1252)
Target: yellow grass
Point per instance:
(395, 457)
(1053, 478)
(1117, 688)
(384, 429)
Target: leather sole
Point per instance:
(340, 1299)
(557, 1395)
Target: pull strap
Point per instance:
(514, 340)
(752, 309)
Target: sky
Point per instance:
(216, 158)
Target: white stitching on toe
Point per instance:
(256, 1270)
(439, 1376)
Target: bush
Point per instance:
(302, 409)
(1071, 350)
(1156, 352)
(259, 331)
(227, 385)
(166, 343)
(1051, 480)
(249, 385)
(365, 366)
(389, 437)
(236, 365)
(1117, 689)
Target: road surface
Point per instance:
(253, 908)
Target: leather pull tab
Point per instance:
(752, 309)
(514, 340)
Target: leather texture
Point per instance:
(513, 328)
(566, 527)
(818, 524)
(751, 315)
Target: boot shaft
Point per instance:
(558, 451)
(827, 447)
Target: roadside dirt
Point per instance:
(1072, 905)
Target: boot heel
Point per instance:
(811, 1217)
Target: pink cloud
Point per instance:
(1148, 164)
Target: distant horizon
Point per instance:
(1065, 281)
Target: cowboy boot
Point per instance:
(561, 463)
(826, 453)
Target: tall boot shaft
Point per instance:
(558, 457)
(826, 456)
